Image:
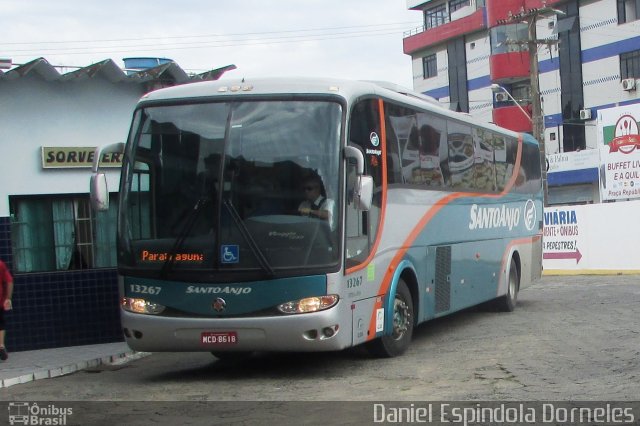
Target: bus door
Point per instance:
(362, 227)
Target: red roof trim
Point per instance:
(469, 24)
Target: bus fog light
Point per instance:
(310, 334)
(141, 306)
(329, 331)
(309, 304)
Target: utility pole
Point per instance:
(531, 16)
(536, 104)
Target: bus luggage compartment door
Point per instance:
(362, 312)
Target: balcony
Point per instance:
(509, 66)
(498, 10)
(511, 117)
(421, 38)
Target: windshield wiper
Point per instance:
(182, 236)
(262, 260)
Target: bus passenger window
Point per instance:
(461, 155)
(504, 168)
(485, 172)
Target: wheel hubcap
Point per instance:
(401, 318)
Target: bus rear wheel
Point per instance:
(507, 303)
(398, 341)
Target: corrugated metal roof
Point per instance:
(169, 72)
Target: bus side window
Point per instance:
(394, 166)
(420, 138)
(529, 173)
(505, 159)
(461, 155)
(485, 172)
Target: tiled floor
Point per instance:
(22, 367)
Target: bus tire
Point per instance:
(507, 303)
(398, 341)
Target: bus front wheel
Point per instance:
(398, 341)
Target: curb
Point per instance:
(49, 373)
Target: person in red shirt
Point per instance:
(6, 291)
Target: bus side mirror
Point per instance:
(98, 188)
(362, 193)
(99, 192)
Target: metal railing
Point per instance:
(440, 21)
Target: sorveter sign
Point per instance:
(619, 134)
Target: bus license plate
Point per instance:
(217, 338)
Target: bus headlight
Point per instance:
(141, 306)
(309, 304)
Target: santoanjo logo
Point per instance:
(494, 217)
(502, 217)
(217, 290)
(530, 215)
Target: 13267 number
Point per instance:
(144, 289)
(354, 282)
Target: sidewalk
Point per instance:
(22, 367)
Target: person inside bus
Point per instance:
(316, 203)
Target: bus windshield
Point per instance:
(221, 186)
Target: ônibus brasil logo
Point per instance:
(626, 136)
(32, 413)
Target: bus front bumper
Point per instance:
(319, 331)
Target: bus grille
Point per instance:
(443, 281)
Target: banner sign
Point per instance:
(67, 157)
(575, 160)
(562, 237)
(619, 133)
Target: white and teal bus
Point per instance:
(431, 212)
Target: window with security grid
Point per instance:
(58, 233)
(630, 65)
(429, 66)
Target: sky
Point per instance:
(355, 39)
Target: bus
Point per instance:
(431, 212)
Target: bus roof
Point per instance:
(347, 89)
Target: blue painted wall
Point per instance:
(57, 309)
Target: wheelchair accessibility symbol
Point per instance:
(230, 254)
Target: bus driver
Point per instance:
(316, 203)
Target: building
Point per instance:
(61, 253)
(474, 55)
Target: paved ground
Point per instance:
(570, 339)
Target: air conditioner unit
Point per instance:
(585, 114)
(628, 84)
(501, 97)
